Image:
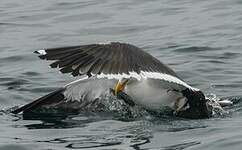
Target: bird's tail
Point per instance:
(49, 99)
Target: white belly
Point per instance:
(152, 97)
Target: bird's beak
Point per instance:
(120, 86)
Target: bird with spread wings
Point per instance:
(131, 73)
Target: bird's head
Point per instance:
(198, 107)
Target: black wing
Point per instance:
(94, 59)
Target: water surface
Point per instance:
(200, 40)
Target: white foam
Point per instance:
(225, 102)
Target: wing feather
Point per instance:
(94, 59)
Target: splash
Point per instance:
(214, 104)
(121, 109)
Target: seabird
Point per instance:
(130, 73)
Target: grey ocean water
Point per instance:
(200, 40)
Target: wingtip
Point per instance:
(40, 52)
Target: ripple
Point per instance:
(85, 141)
(195, 49)
(14, 25)
(14, 84)
(182, 145)
(116, 30)
(213, 61)
(229, 55)
(95, 144)
(83, 17)
(12, 58)
(71, 5)
(31, 73)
